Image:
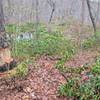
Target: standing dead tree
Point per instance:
(53, 7)
(91, 15)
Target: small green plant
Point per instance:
(11, 28)
(50, 45)
(22, 70)
(82, 91)
(60, 64)
(68, 89)
(98, 34)
(89, 43)
(28, 27)
(85, 85)
(47, 43)
(96, 67)
(22, 49)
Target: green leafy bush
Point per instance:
(11, 28)
(46, 44)
(52, 45)
(85, 85)
(22, 49)
(81, 91)
(28, 27)
(96, 67)
(22, 70)
(68, 89)
(90, 42)
(98, 35)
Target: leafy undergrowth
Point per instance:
(43, 81)
(50, 44)
(83, 83)
(92, 41)
(39, 43)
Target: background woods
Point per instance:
(24, 11)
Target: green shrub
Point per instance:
(89, 43)
(96, 67)
(68, 89)
(52, 45)
(98, 35)
(22, 49)
(11, 28)
(46, 44)
(22, 70)
(82, 91)
(28, 27)
(82, 86)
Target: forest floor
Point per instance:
(42, 82)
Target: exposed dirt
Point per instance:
(42, 82)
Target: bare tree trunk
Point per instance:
(32, 11)
(91, 15)
(52, 5)
(5, 55)
(2, 29)
(37, 18)
(50, 19)
(83, 11)
(97, 13)
(9, 10)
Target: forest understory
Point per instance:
(49, 50)
(42, 82)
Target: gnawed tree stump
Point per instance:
(6, 61)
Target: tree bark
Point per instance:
(2, 29)
(91, 15)
(5, 55)
(50, 19)
(37, 18)
(52, 5)
(3, 39)
(97, 13)
(83, 11)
